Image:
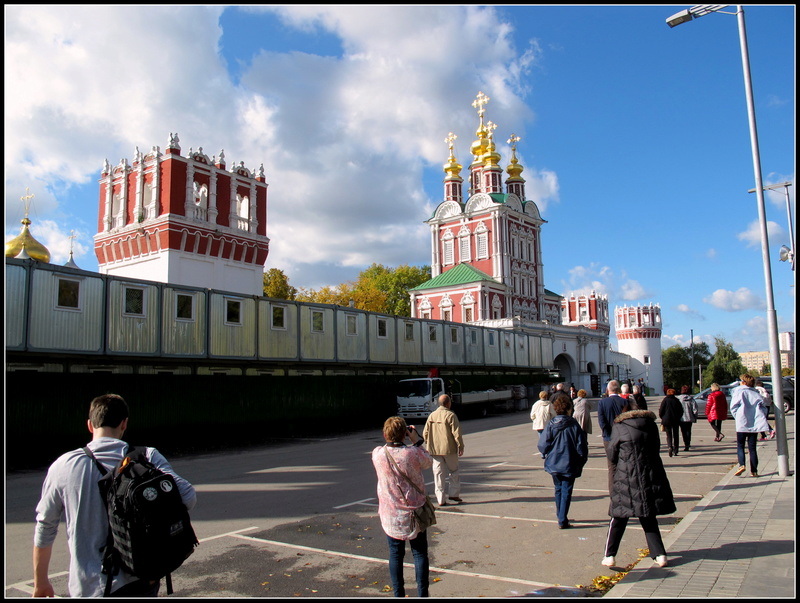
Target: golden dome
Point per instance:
(452, 168)
(514, 169)
(25, 241)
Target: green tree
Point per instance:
(276, 285)
(393, 284)
(676, 362)
(378, 289)
(726, 366)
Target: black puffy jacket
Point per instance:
(641, 487)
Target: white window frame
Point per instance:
(228, 306)
(178, 296)
(125, 312)
(283, 308)
(77, 283)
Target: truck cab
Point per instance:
(418, 398)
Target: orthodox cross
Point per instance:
(479, 102)
(451, 138)
(27, 200)
(514, 140)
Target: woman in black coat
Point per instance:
(671, 411)
(641, 488)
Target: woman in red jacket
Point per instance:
(716, 410)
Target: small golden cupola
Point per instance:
(515, 184)
(24, 245)
(453, 180)
(481, 145)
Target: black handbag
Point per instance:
(425, 516)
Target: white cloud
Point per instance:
(603, 280)
(734, 301)
(752, 236)
(689, 312)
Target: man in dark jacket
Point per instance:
(641, 488)
(671, 411)
(565, 449)
(607, 410)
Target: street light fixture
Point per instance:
(787, 253)
(772, 321)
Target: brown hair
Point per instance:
(108, 410)
(562, 404)
(747, 379)
(581, 393)
(395, 429)
(670, 392)
(684, 389)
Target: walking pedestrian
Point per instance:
(542, 412)
(641, 488)
(688, 416)
(670, 412)
(445, 445)
(717, 410)
(401, 490)
(565, 450)
(608, 409)
(747, 408)
(581, 412)
(770, 433)
(71, 492)
(641, 401)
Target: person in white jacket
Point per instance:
(750, 414)
(542, 412)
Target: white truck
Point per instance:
(418, 398)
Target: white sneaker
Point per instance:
(609, 561)
(661, 560)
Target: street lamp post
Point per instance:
(787, 253)
(772, 321)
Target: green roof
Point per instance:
(460, 275)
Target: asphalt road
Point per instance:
(300, 518)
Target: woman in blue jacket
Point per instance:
(565, 450)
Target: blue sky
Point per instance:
(634, 136)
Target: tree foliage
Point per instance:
(676, 362)
(378, 289)
(726, 366)
(276, 285)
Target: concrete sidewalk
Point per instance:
(739, 541)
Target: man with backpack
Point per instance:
(71, 490)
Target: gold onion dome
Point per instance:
(514, 169)
(452, 168)
(25, 242)
(491, 157)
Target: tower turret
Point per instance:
(638, 331)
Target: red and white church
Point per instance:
(487, 266)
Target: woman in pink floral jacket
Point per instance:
(397, 499)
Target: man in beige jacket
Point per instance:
(442, 435)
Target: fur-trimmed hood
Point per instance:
(635, 414)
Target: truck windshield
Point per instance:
(407, 389)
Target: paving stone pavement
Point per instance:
(739, 541)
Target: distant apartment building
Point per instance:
(755, 361)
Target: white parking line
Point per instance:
(386, 562)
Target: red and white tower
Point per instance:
(186, 220)
(638, 331)
(590, 311)
(486, 252)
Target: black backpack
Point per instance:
(150, 534)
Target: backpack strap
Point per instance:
(107, 551)
(99, 465)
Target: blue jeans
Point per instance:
(397, 550)
(564, 487)
(741, 437)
